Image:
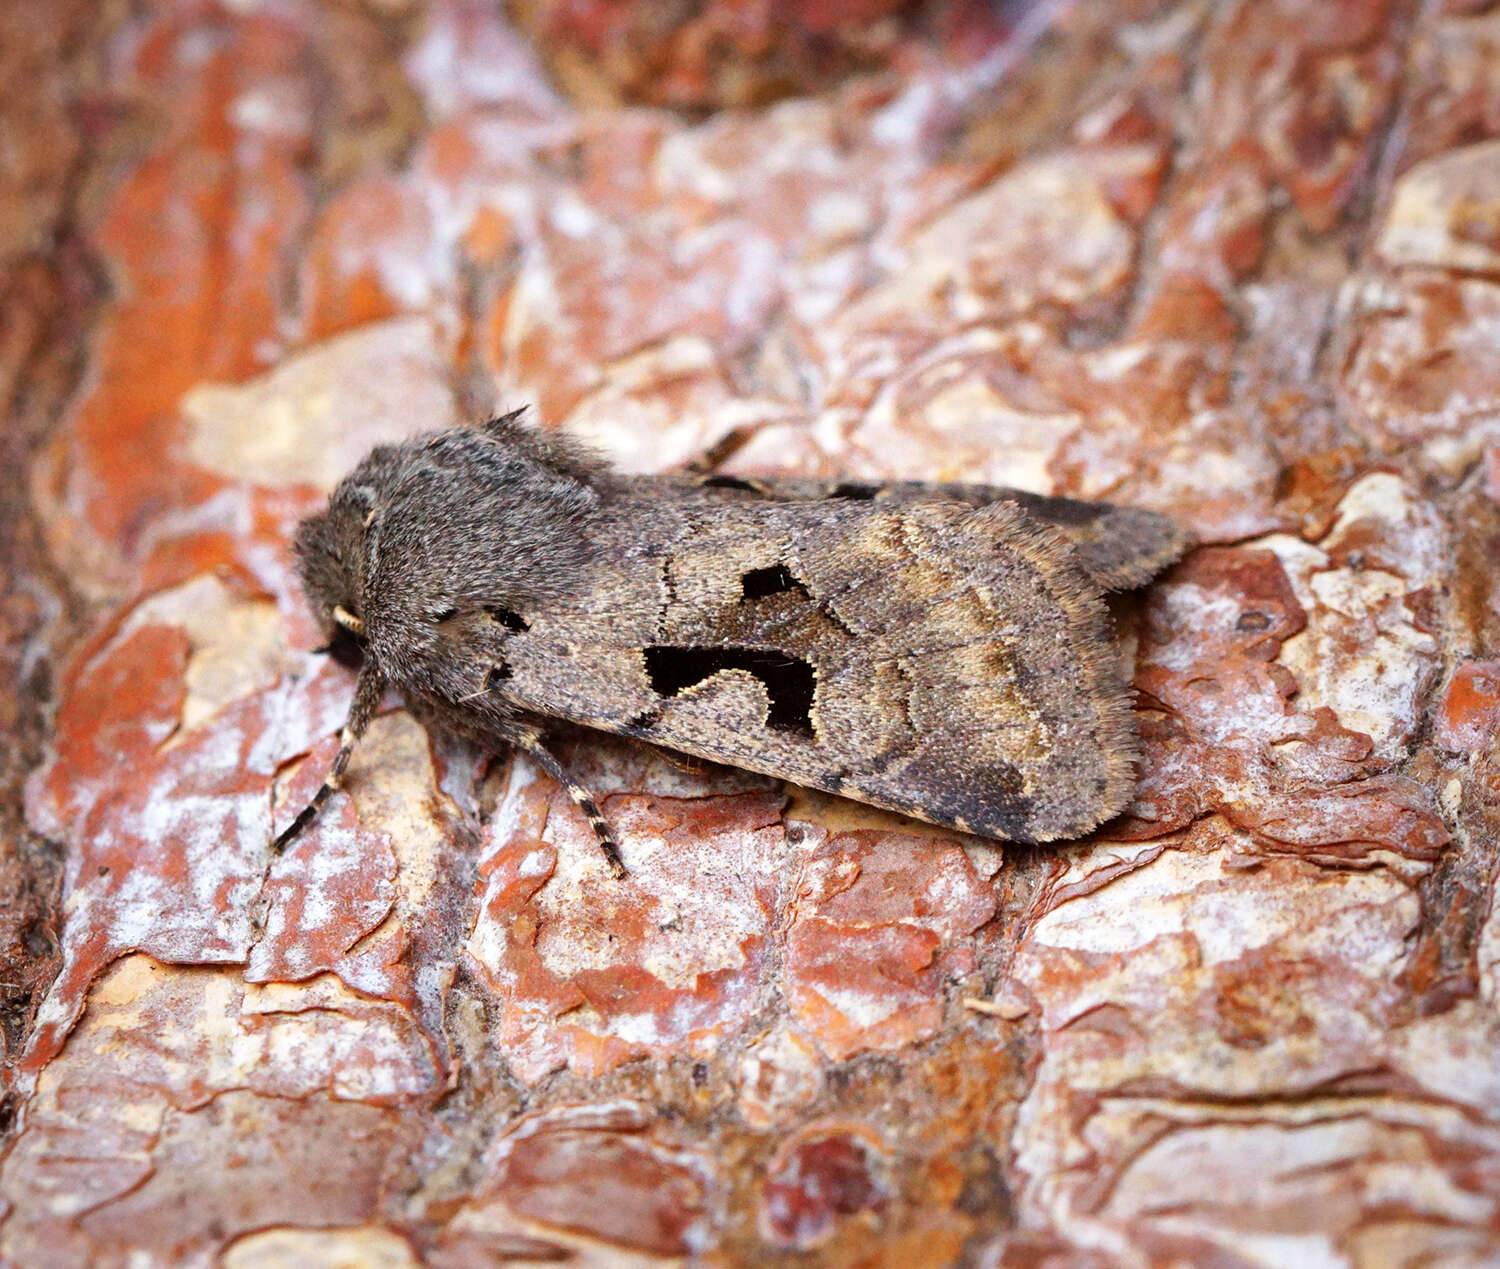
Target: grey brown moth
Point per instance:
(939, 650)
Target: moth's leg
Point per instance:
(367, 694)
(542, 756)
(491, 731)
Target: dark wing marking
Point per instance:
(950, 662)
(1120, 547)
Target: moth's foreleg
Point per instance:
(608, 842)
(367, 694)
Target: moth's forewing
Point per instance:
(947, 661)
(1119, 547)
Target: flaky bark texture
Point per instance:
(1236, 262)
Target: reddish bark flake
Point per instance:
(877, 930)
(821, 1181)
(574, 1170)
(590, 972)
(1469, 708)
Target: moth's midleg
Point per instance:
(608, 842)
(367, 694)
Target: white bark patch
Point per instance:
(1362, 654)
(315, 416)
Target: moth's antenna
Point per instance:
(367, 693)
(608, 843)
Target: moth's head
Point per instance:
(331, 553)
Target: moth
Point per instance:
(944, 651)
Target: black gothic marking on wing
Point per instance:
(790, 682)
(778, 579)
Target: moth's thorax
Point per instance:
(435, 553)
